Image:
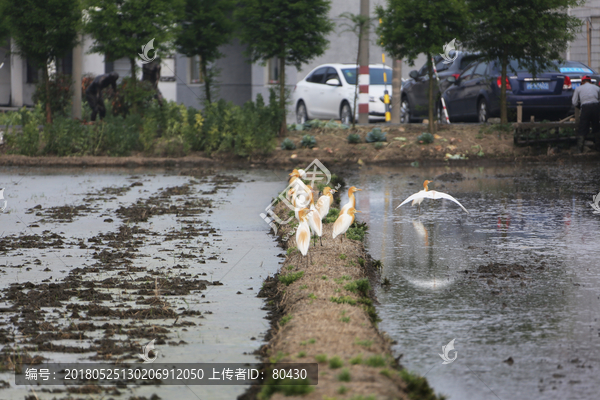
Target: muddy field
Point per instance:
(113, 267)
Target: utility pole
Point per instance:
(396, 91)
(363, 72)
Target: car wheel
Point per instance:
(346, 114)
(301, 114)
(482, 111)
(405, 111)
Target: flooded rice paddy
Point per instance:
(516, 283)
(96, 263)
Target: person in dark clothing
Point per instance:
(93, 93)
(151, 73)
(587, 98)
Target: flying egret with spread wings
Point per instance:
(418, 197)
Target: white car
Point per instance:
(327, 92)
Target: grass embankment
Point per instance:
(322, 311)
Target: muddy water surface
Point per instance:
(96, 263)
(516, 283)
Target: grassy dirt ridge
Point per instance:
(321, 310)
(467, 143)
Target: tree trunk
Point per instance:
(396, 91)
(47, 84)
(133, 83)
(503, 113)
(283, 129)
(431, 105)
(207, 80)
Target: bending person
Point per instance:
(93, 93)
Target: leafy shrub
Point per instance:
(308, 141)
(376, 135)
(26, 142)
(130, 97)
(425, 138)
(354, 138)
(288, 144)
(61, 92)
(417, 386)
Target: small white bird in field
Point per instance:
(351, 200)
(1, 193)
(303, 232)
(325, 201)
(343, 222)
(418, 197)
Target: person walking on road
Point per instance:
(587, 98)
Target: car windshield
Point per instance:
(375, 75)
(573, 66)
(515, 66)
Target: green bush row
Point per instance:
(167, 130)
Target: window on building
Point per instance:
(64, 65)
(196, 70)
(32, 73)
(273, 67)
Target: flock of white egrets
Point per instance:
(310, 215)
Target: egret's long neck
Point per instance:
(352, 199)
(425, 186)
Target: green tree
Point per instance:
(413, 27)
(206, 25)
(357, 24)
(534, 33)
(121, 28)
(43, 30)
(292, 30)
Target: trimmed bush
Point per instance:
(376, 135)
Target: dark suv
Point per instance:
(415, 92)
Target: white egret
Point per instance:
(325, 202)
(351, 200)
(343, 222)
(303, 232)
(418, 197)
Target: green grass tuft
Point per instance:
(321, 358)
(333, 215)
(417, 387)
(289, 387)
(290, 278)
(285, 319)
(344, 376)
(359, 286)
(343, 300)
(356, 360)
(335, 362)
(375, 361)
